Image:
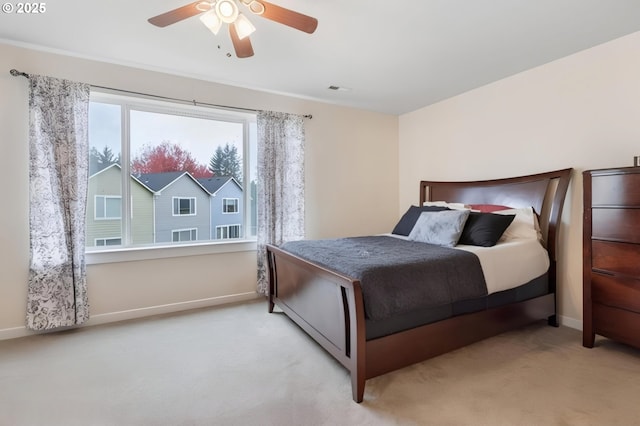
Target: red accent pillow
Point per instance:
(488, 208)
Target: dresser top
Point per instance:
(613, 171)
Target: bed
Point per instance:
(330, 305)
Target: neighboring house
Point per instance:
(104, 209)
(227, 206)
(182, 209)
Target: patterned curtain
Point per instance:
(58, 174)
(280, 184)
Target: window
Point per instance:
(230, 205)
(158, 170)
(227, 231)
(184, 206)
(108, 207)
(101, 242)
(181, 235)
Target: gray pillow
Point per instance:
(440, 228)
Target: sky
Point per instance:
(200, 137)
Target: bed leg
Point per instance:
(357, 388)
(553, 321)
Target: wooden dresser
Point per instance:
(611, 252)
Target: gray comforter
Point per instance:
(398, 276)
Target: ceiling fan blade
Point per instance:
(243, 47)
(289, 17)
(176, 15)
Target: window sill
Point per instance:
(163, 252)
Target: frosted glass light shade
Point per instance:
(244, 27)
(227, 11)
(210, 20)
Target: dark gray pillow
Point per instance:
(408, 220)
(440, 228)
(484, 229)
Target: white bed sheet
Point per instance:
(508, 264)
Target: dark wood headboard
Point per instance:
(545, 192)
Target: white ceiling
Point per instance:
(395, 56)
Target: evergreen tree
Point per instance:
(226, 162)
(101, 160)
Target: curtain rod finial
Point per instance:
(14, 72)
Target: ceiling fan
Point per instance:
(218, 12)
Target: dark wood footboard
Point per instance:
(327, 305)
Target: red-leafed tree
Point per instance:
(167, 157)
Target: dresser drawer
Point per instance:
(615, 291)
(622, 258)
(616, 224)
(617, 324)
(616, 190)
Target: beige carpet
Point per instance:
(239, 365)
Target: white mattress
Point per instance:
(508, 264)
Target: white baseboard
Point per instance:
(12, 333)
(15, 332)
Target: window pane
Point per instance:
(100, 207)
(253, 176)
(230, 205)
(113, 207)
(185, 206)
(182, 161)
(103, 221)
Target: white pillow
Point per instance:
(452, 206)
(440, 228)
(523, 226)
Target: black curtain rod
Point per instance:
(17, 73)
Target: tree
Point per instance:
(226, 162)
(101, 160)
(167, 157)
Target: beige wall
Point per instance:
(352, 172)
(581, 111)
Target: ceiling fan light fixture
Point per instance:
(244, 27)
(227, 11)
(204, 6)
(256, 7)
(211, 20)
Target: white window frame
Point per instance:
(104, 240)
(193, 234)
(178, 199)
(236, 205)
(227, 228)
(106, 197)
(128, 252)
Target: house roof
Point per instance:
(117, 166)
(214, 183)
(159, 181)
